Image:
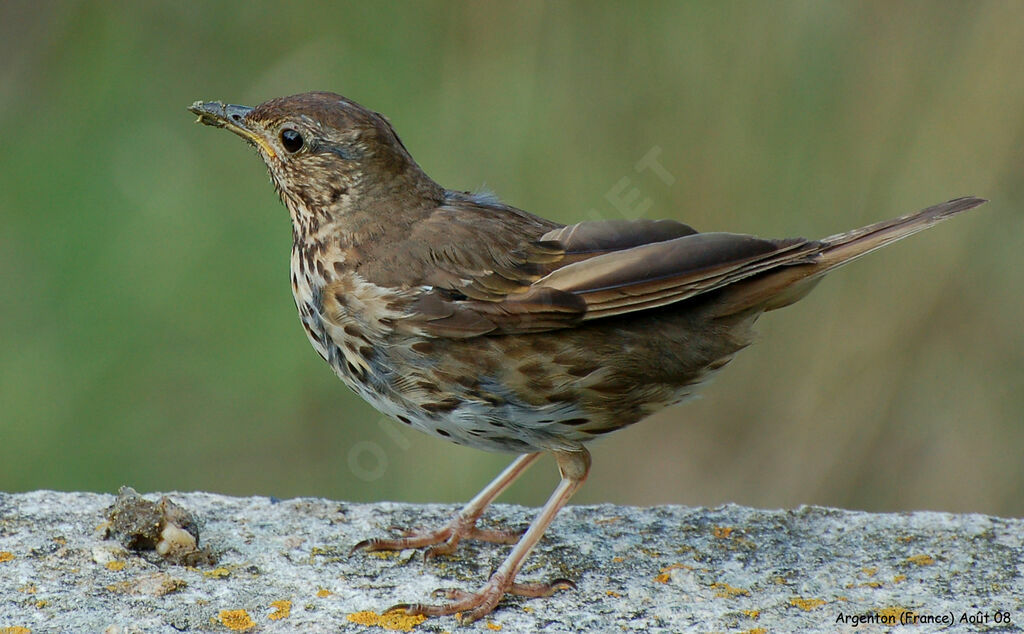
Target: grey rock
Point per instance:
(664, 569)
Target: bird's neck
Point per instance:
(363, 213)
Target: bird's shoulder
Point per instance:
(462, 237)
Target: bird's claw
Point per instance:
(442, 541)
(472, 606)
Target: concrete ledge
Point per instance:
(283, 566)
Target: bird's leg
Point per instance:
(463, 525)
(471, 606)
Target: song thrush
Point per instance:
(483, 324)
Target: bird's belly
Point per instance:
(522, 393)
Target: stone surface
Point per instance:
(283, 566)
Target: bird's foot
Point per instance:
(442, 541)
(472, 606)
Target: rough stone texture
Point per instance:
(667, 569)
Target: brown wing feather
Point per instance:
(589, 239)
(658, 274)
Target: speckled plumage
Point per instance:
(493, 328)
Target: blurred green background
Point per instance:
(147, 327)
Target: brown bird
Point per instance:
(483, 324)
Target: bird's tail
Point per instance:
(787, 284)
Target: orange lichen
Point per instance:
(15, 629)
(618, 560)
(921, 560)
(6, 555)
(722, 532)
(237, 620)
(725, 591)
(217, 572)
(323, 593)
(665, 576)
(115, 565)
(282, 610)
(397, 620)
(806, 604)
(493, 626)
(871, 572)
(612, 593)
(756, 630)
(752, 613)
(899, 578)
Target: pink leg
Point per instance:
(574, 467)
(463, 525)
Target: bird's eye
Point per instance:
(291, 140)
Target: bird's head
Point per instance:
(328, 156)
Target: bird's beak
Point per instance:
(232, 118)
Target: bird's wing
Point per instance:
(580, 272)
